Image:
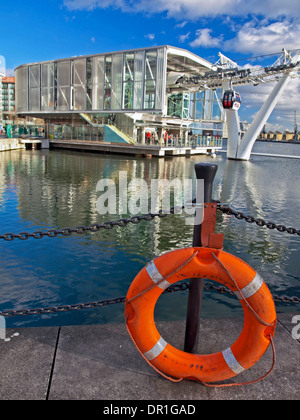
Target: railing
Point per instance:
(193, 142)
(82, 132)
(21, 131)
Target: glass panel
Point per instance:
(149, 102)
(22, 78)
(107, 97)
(63, 73)
(108, 69)
(138, 95)
(150, 76)
(48, 75)
(128, 81)
(128, 95)
(79, 72)
(150, 72)
(34, 99)
(138, 76)
(175, 105)
(22, 100)
(199, 109)
(138, 66)
(34, 76)
(55, 85)
(129, 67)
(63, 85)
(63, 98)
(79, 97)
(98, 80)
(98, 97)
(47, 99)
(117, 74)
(89, 82)
(107, 83)
(160, 79)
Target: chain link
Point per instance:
(260, 222)
(172, 289)
(95, 227)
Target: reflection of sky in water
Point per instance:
(43, 190)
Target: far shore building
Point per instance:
(126, 96)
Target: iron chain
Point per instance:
(95, 227)
(65, 308)
(260, 222)
(173, 288)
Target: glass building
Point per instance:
(134, 89)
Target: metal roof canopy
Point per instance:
(183, 61)
(179, 59)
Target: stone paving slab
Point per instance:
(100, 362)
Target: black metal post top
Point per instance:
(206, 171)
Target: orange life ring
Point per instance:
(258, 305)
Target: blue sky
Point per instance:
(36, 31)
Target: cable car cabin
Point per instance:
(231, 100)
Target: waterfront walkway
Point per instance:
(100, 362)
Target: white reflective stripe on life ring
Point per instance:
(156, 350)
(232, 362)
(252, 287)
(156, 276)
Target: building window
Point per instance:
(178, 105)
(78, 84)
(63, 85)
(47, 83)
(89, 82)
(128, 81)
(150, 79)
(138, 97)
(117, 79)
(22, 89)
(107, 82)
(34, 88)
(98, 82)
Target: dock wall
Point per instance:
(130, 149)
(10, 144)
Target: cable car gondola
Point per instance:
(231, 100)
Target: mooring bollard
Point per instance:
(207, 172)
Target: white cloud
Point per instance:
(204, 39)
(193, 9)
(257, 38)
(184, 37)
(150, 36)
(182, 24)
(93, 4)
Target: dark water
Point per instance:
(40, 190)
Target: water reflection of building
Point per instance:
(126, 96)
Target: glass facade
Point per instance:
(123, 81)
(206, 105)
(179, 105)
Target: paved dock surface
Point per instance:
(100, 362)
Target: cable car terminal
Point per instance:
(155, 101)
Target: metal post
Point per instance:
(207, 172)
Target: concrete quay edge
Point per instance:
(100, 362)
